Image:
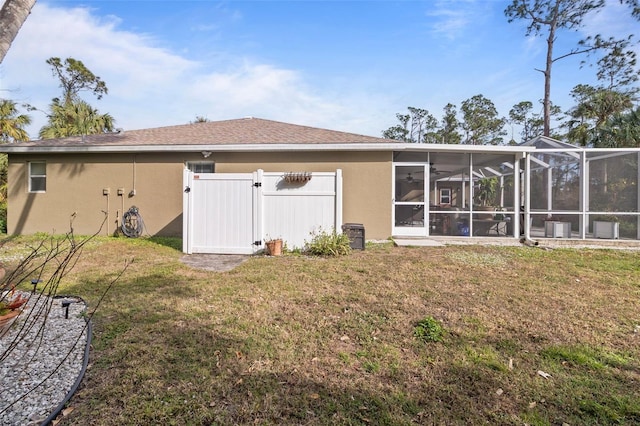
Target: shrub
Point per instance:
(3, 217)
(325, 243)
(429, 330)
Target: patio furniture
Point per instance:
(488, 226)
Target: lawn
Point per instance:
(333, 341)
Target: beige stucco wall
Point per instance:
(76, 182)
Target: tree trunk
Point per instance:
(547, 82)
(12, 16)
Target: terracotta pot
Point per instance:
(274, 247)
(7, 319)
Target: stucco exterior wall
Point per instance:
(76, 184)
(76, 187)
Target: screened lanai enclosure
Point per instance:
(541, 189)
(583, 193)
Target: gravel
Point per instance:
(41, 366)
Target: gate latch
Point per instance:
(187, 189)
(257, 243)
(257, 184)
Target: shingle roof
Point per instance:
(243, 131)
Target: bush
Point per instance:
(3, 217)
(429, 330)
(325, 243)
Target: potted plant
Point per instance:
(486, 191)
(10, 308)
(274, 246)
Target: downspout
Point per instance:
(584, 193)
(517, 199)
(133, 191)
(527, 197)
(549, 191)
(471, 195)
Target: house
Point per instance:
(225, 186)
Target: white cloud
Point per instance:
(151, 86)
(452, 18)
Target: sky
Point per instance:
(341, 65)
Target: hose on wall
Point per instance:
(132, 223)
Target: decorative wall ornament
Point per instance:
(297, 177)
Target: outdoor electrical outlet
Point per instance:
(120, 191)
(106, 191)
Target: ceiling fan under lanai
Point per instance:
(434, 171)
(415, 177)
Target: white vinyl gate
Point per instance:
(233, 213)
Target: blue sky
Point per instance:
(344, 65)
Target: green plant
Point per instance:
(486, 191)
(324, 243)
(429, 330)
(3, 216)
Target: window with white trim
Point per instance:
(37, 176)
(445, 196)
(201, 166)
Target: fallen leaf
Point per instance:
(344, 338)
(532, 404)
(314, 396)
(67, 411)
(499, 391)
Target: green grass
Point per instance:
(324, 341)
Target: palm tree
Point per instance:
(595, 107)
(12, 123)
(622, 131)
(12, 16)
(75, 118)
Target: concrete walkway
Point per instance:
(436, 241)
(214, 262)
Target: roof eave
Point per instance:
(113, 149)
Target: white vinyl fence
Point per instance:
(230, 213)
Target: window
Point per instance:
(201, 166)
(37, 177)
(445, 196)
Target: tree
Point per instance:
(398, 132)
(521, 115)
(616, 70)
(621, 131)
(423, 126)
(12, 123)
(548, 17)
(72, 116)
(481, 123)
(75, 119)
(75, 77)
(419, 126)
(12, 16)
(594, 107)
(449, 126)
